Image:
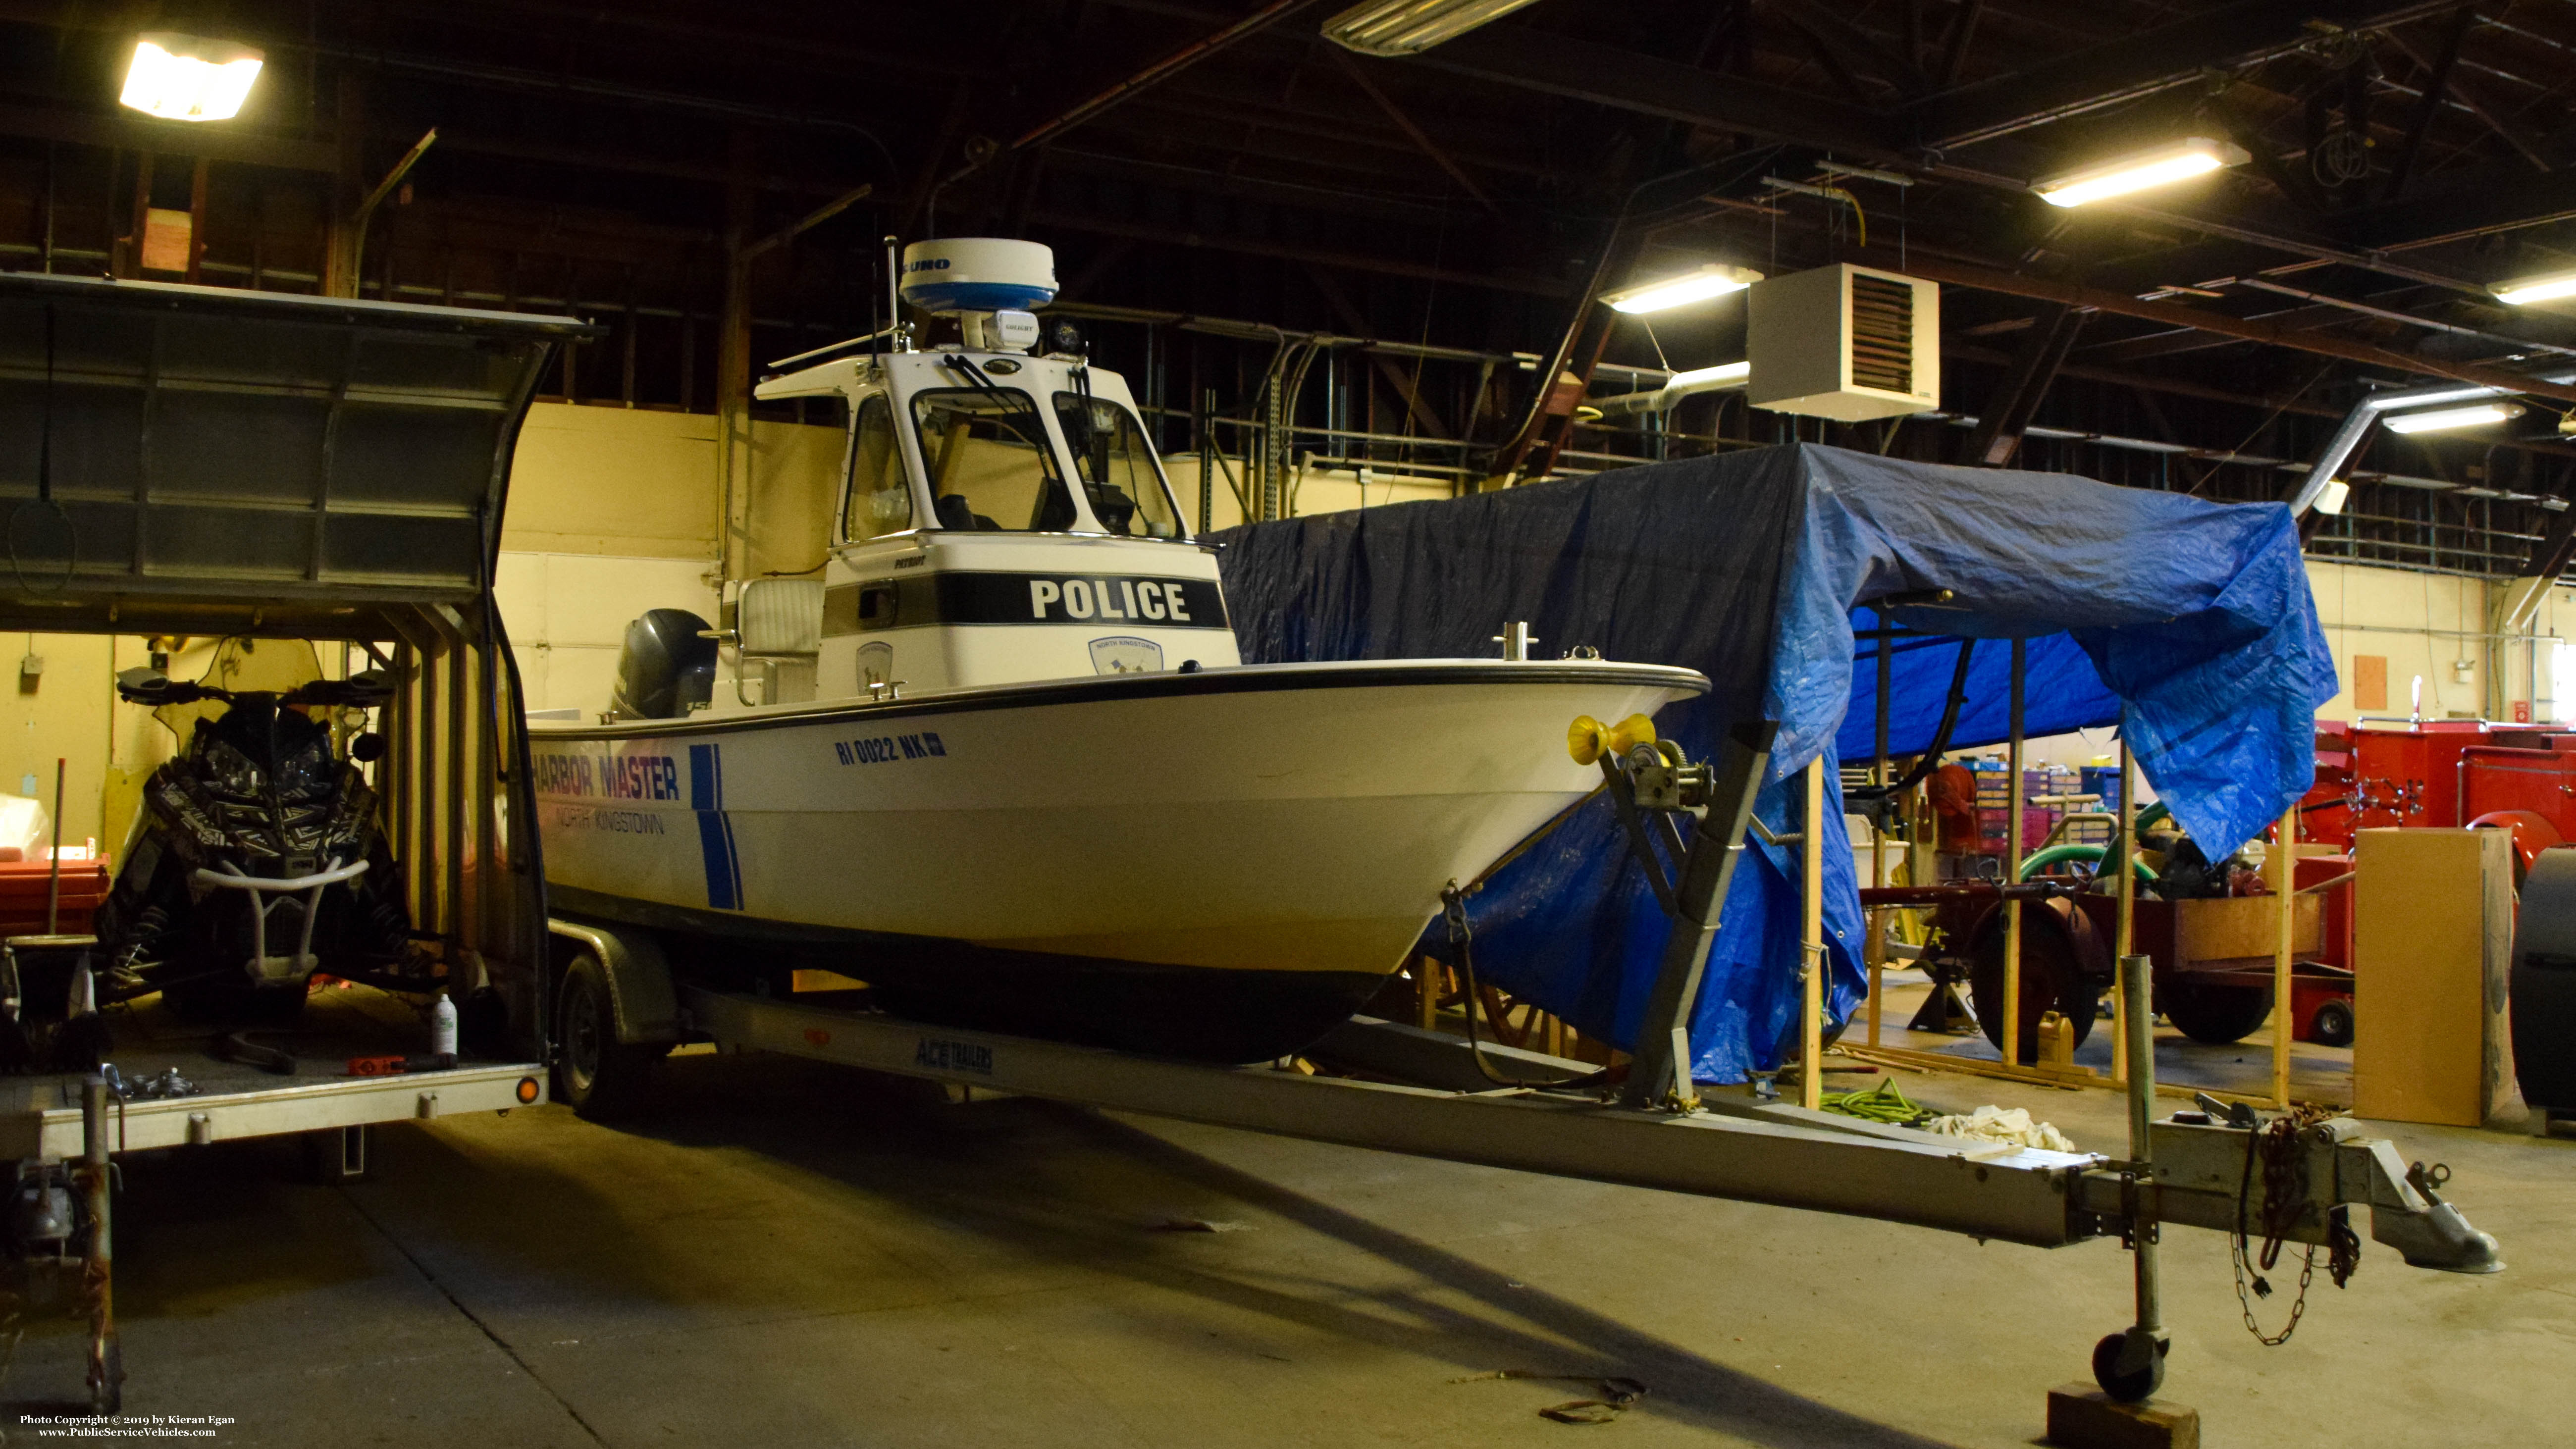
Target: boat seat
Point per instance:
(1111, 505)
(779, 633)
(953, 513)
(781, 616)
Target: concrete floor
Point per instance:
(795, 1255)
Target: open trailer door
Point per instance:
(220, 464)
(201, 461)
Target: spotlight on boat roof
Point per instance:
(1713, 280)
(188, 78)
(1408, 27)
(2548, 287)
(2444, 419)
(2186, 158)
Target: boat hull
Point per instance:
(1219, 864)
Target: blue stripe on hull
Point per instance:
(715, 831)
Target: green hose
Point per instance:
(2079, 851)
(1882, 1103)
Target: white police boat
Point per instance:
(1002, 761)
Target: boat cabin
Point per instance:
(1002, 518)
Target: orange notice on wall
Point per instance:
(166, 235)
(2369, 681)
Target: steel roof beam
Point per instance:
(2140, 65)
(2042, 289)
(177, 138)
(2479, 105)
(2501, 196)
(1166, 235)
(1532, 59)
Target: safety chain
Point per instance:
(1453, 910)
(2285, 1192)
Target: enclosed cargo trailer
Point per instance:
(213, 463)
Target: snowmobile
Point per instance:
(257, 859)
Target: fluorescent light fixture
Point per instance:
(2547, 288)
(1712, 280)
(1701, 379)
(2428, 397)
(1408, 27)
(2189, 157)
(2441, 419)
(183, 78)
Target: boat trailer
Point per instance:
(1432, 1094)
(1425, 1094)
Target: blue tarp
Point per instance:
(1749, 568)
(2061, 692)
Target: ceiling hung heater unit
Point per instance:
(1844, 342)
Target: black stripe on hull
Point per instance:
(1234, 679)
(1194, 1012)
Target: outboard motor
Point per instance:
(667, 667)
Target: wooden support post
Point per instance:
(1879, 773)
(2124, 937)
(2285, 875)
(348, 187)
(1811, 1023)
(197, 223)
(733, 363)
(626, 375)
(1877, 951)
(2012, 869)
(133, 248)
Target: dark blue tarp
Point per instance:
(1748, 568)
(2061, 692)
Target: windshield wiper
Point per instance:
(985, 385)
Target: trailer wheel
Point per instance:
(2218, 1015)
(2332, 1025)
(599, 1076)
(2061, 961)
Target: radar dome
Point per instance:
(978, 274)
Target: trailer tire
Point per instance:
(2062, 961)
(2215, 1014)
(598, 1076)
(2332, 1025)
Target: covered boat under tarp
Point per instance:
(1751, 568)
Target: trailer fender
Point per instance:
(640, 992)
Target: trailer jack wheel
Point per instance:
(2130, 1366)
(107, 1378)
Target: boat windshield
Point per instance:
(880, 497)
(989, 462)
(1117, 467)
